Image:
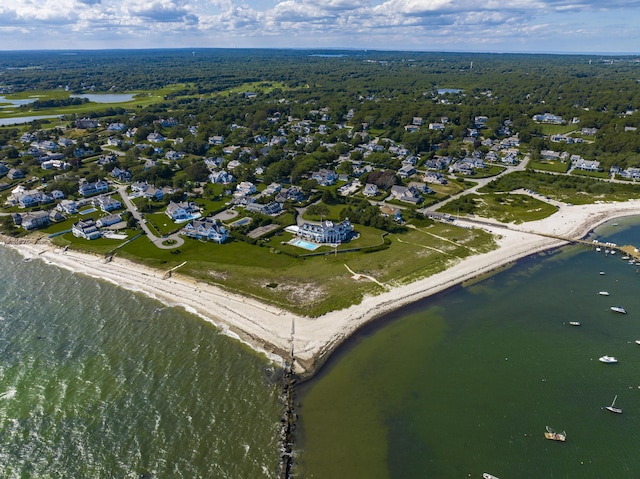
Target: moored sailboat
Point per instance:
(612, 408)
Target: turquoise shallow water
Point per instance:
(465, 383)
(98, 382)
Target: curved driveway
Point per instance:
(156, 240)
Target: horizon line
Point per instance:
(344, 49)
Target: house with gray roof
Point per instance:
(35, 219)
(326, 232)
(181, 211)
(88, 189)
(86, 229)
(206, 228)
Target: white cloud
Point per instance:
(385, 24)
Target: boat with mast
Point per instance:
(612, 408)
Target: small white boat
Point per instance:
(574, 323)
(637, 341)
(612, 408)
(625, 257)
(608, 359)
(598, 249)
(619, 309)
(603, 293)
(486, 475)
(613, 251)
(601, 273)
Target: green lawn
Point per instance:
(315, 285)
(507, 208)
(549, 165)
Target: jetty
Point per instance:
(168, 274)
(628, 250)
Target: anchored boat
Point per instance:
(612, 408)
(608, 359)
(618, 309)
(555, 436)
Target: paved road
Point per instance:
(480, 182)
(156, 240)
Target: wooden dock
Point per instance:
(627, 250)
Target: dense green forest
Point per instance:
(384, 90)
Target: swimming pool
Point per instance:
(304, 244)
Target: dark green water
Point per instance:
(466, 382)
(98, 382)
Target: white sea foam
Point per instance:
(9, 393)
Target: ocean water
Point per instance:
(99, 382)
(466, 382)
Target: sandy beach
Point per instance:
(275, 332)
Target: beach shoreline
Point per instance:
(278, 333)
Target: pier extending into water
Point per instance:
(628, 250)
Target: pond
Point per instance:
(24, 101)
(24, 119)
(106, 97)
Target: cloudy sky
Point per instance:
(582, 26)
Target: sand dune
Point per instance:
(275, 331)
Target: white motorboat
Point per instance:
(612, 408)
(603, 293)
(486, 475)
(608, 359)
(574, 323)
(601, 273)
(619, 309)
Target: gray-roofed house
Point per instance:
(325, 177)
(108, 220)
(271, 209)
(370, 189)
(87, 189)
(86, 229)
(106, 203)
(35, 219)
(326, 232)
(206, 228)
(181, 210)
(15, 174)
(408, 195)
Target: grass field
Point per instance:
(549, 165)
(507, 208)
(311, 285)
(140, 99)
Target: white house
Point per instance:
(326, 231)
(206, 228)
(180, 211)
(86, 229)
